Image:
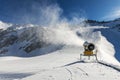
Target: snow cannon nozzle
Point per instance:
(88, 46)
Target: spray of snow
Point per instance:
(57, 29)
(60, 35)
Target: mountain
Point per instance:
(112, 24)
(35, 52)
(26, 38)
(18, 40)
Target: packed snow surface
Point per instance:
(60, 65)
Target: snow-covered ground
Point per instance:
(60, 65)
(64, 63)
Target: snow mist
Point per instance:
(58, 29)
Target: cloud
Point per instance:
(115, 13)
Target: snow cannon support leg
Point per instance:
(80, 56)
(88, 57)
(96, 58)
(94, 55)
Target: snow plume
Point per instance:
(88, 34)
(59, 36)
(57, 29)
(50, 15)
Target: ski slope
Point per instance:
(64, 63)
(60, 65)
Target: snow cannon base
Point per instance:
(88, 54)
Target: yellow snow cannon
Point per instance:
(89, 50)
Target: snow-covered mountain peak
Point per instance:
(4, 25)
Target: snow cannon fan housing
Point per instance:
(89, 46)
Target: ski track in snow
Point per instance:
(13, 76)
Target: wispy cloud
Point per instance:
(115, 13)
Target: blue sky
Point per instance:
(93, 9)
(15, 10)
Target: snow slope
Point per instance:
(62, 61)
(60, 65)
(114, 39)
(64, 64)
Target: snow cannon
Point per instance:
(89, 50)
